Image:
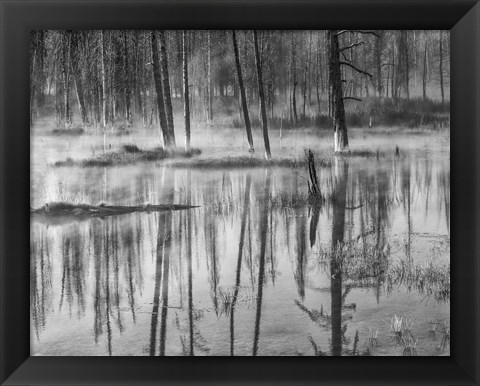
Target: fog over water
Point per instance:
(248, 270)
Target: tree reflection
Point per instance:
(246, 206)
(261, 267)
(338, 229)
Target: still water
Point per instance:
(249, 271)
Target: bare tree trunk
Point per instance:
(378, 62)
(294, 78)
(103, 76)
(126, 91)
(246, 117)
(41, 52)
(166, 87)
(407, 66)
(393, 90)
(262, 97)
(339, 122)
(138, 77)
(77, 76)
(209, 81)
(186, 100)
(440, 66)
(425, 69)
(304, 89)
(66, 79)
(167, 141)
(33, 54)
(318, 74)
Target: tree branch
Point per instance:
(353, 98)
(351, 46)
(355, 68)
(352, 31)
(344, 56)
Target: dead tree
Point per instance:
(166, 87)
(66, 79)
(186, 101)
(425, 70)
(77, 76)
(126, 89)
(339, 122)
(293, 69)
(378, 64)
(440, 66)
(103, 78)
(246, 118)
(209, 80)
(157, 77)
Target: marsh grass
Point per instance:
(130, 148)
(385, 112)
(445, 341)
(224, 206)
(412, 113)
(430, 278)
(76, 131)
(360, 260)
(129, 154)
(372, 339)
(432, 328)
(363, 262)
(363, 152)
(401, 332)
(285, 200)
(242, 162)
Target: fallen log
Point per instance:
(61, 212)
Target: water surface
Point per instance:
(248, 271)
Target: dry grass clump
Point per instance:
(359, 261)
(129, 154)
(430, 278)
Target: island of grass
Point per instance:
(127, 155)
(130, 154)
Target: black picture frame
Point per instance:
(18, 17)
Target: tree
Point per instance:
(166, 87)
(209, 80)
(186, 101)
(67, 118)
(103, 78)
(425, 71)
(126, 90)
(262, 97)
(243, 97)
(77, 75)
(167, 139)
(293, 71)
(340, 136)
(440, 66)
(378, 63)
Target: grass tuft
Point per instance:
(130, 148)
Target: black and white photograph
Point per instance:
(239, 193)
